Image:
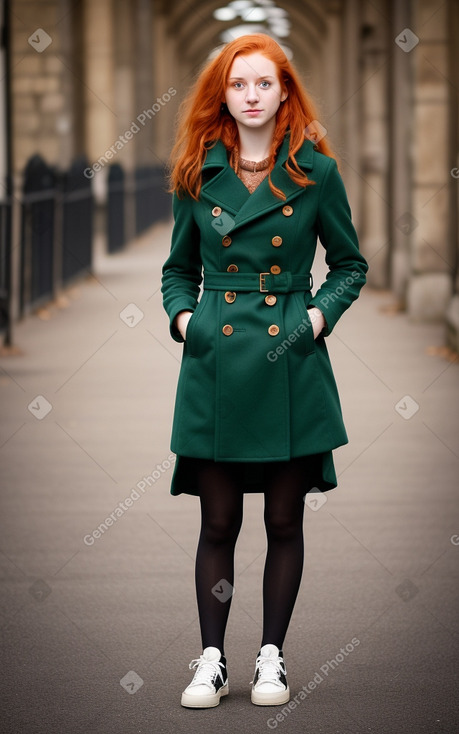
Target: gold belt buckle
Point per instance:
(263, 288)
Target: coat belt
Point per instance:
(284, 282)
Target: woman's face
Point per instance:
(253, 93)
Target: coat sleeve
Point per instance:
(347, 266)
(182, 271)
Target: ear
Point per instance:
(284, 95)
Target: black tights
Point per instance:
(221, 495)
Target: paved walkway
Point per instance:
(86, 415)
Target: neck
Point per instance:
(255, 144)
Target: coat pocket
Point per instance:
(196, 325)
(298, 326)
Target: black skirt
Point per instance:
(253, 476)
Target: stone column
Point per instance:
(373, 141)
(99, 98)
(331, 79)
(144, 83)
(400, 106)
(169, 72)
(124, 78)
(350, 110)
(125, 72)
(430, 284)
(452, 316)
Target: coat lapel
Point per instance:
(227, 190)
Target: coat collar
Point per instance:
(217, 155)
(227, 190)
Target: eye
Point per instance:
(238, 85)
(265, 85)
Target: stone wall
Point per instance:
(41, 94)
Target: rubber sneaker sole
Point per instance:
(270, 699)
(204, 701)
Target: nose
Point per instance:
(251, 94)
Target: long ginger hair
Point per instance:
(204, 119)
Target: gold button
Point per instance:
(226, 241)
(287, 210)
(232, 268)
(230, 296)
(275, 269)
(217, 210)
(227, 329)
(276, 241)
(273, 330)
(270, 300)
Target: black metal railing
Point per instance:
(5, 264)
(77, 221)
(37, 282)
(56, 225)
(116, 217)
(152, 202)
(56, 229)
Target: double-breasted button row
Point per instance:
(272, 331)
(216, 211)
(287, 210)
(226, 241)
(274, 269)
(230, 296)
(270, 300)
(276, 241)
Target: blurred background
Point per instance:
(89, 97)
(96, 558)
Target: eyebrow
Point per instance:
(242, 79)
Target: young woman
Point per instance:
(257, 407)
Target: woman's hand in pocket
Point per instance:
(317, 320)
(181, 322)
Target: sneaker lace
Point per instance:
(269, 669)
(206, 671)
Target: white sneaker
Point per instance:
(269, 685)
(210, 682)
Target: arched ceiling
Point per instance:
(195, 32)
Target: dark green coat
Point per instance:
(245, 392)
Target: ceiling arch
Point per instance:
(196, 31)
